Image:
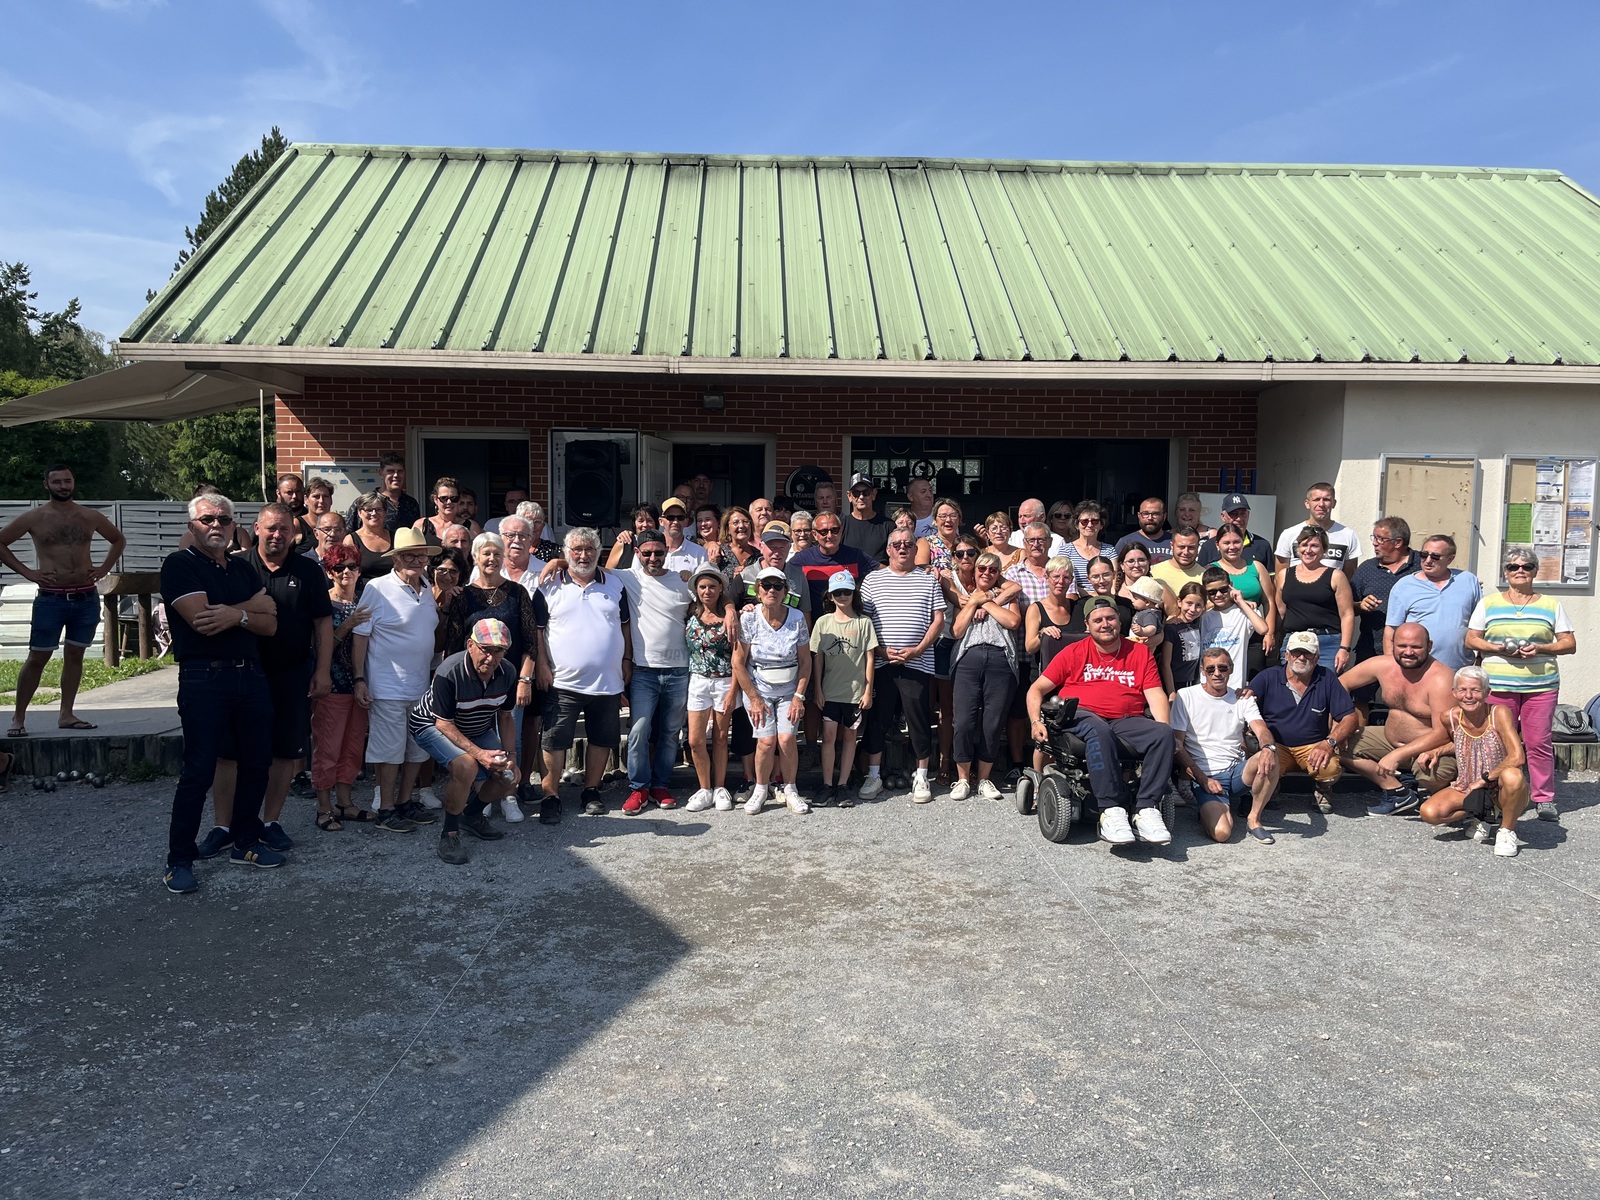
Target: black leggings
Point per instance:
(896, 686)
(982, 687)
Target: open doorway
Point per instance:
(488, 463)
(738, 470)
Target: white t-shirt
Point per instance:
(1058, 544)
(1344, 545)
(400, 629)
(585, 632)
(660, 606)
(685, 558)
(1228, 631)
(1214, 726)
(774, 653)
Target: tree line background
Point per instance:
(121, 460)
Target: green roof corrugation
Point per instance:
(860, 259)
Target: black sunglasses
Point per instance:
(1221, 591)
(1519, 566)
(772, 585)
(963, 554)
(1434, 554)
(219, 519)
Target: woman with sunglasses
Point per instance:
(447, 512)
(1520, 632)
(371, 538)
(983, 675)
(1087, 546)
(1317, 598)
(713, 692)
(956, 580)
(1489, 758)
(772, 663)
(338, 723)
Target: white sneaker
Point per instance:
(871, 786)
(722, 800)
(511, 810)
(921, 790)
(1114, 827)
(987, 789)
(1505, 844)
(1151, 828)
(429, 800)
(758, 799)
(700, 801)
(960, 790)
(793, 800)
(377, 799)
(1481, 832)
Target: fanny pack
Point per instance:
(777, 676)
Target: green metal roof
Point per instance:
(372, 247)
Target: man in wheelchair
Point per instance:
(1113, 680)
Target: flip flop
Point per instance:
(79, 725)
(1261, 835)
(16, 731)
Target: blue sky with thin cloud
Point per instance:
(117, 116)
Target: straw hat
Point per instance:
(409, 540)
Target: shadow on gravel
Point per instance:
(345, 1025)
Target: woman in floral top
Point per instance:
(711, 688)
(338, 723)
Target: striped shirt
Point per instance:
(459, 696)
(901, 607)
(1541, 619)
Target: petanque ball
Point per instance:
(38, 784)
(49, 785)
(96, 781)
(61, 776)
(74, 775)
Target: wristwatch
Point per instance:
(359, 679)
(524, 678)
(1273, 748)
(1334, 742)
(244, 619)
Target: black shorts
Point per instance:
(602, 719)
(291, 715)
(841, 713)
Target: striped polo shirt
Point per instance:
(459, 696)
(1541, 619)
(901, 608)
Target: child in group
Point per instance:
(1227, 622)
(711, 688)
(1149, 625)
(1180, 655)
(841, 647)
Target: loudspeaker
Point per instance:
(593, 491)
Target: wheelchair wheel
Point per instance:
(1169, 808)
(1055, 810)
(1027, 789)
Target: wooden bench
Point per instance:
(142, 584)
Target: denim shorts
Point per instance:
(78, 614)
(1233, 786)
(444, 752)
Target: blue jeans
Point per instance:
(217, 700)
(658, 698)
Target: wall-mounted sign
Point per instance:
(802, 484)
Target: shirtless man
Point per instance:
(68, 600)
(1416, 687)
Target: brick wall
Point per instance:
(360, 419)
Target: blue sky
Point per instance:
(117, 116)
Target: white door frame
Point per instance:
(769, 440)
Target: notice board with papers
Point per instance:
(1550, 512)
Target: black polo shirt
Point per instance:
(1372, 578)
(300, 590)
(232, 581)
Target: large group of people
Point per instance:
(454, 662)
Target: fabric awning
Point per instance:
(145, 391)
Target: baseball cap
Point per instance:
(1098, 602)
(490, 632)
(772, 573)
(1150, 589)
(841, 581)
(776, 531)
(674, 502)
(860, 480)
(1302, 639)
(648, 535)
(1235, 500)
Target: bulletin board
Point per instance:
(1435, 494)
(1550, 511)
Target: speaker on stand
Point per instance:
(593, 485)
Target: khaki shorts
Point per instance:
(1294, 758)
(1374, 744)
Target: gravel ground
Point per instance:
(890, 1000)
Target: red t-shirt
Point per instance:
(1108, 685)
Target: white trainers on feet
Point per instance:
(758, 799)
(511, 810)
(429, 800)
(793, 800)
(960, 790)
(987, 789)
(700, 801)
(1151, 828)
(1505, 844)
(377, 798)
(1481, 832)
(1114, 827)
(921, 790)
(871, 786)
(722, 800)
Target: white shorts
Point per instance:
(387, 738)
(709, 691)
(777, 722)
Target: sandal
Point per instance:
(354, 812)
(329, 821)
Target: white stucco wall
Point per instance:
(1482, 421)
(1299, 440)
